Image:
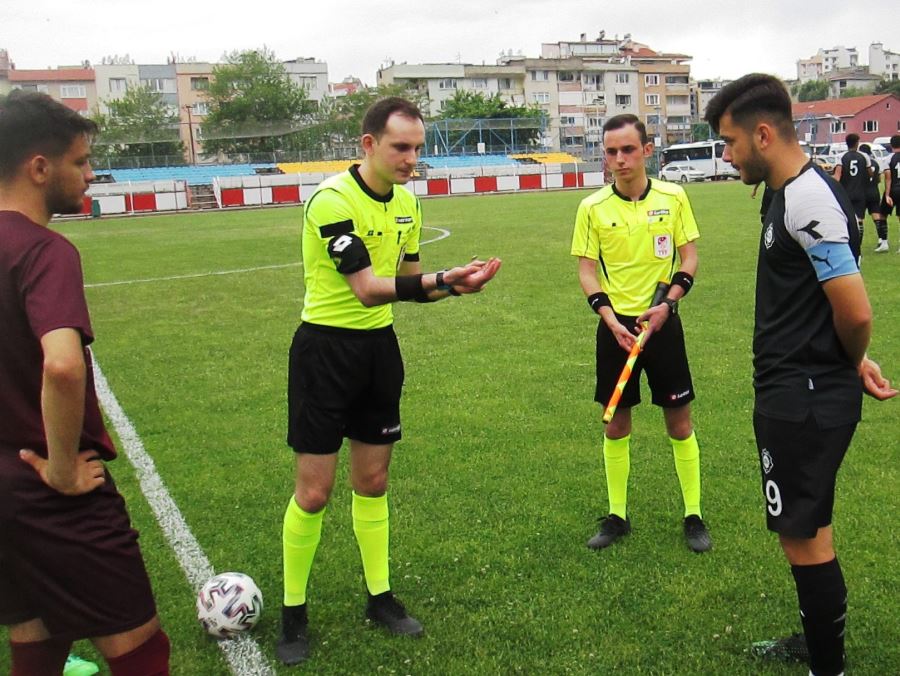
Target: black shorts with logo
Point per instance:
(664, 359)
(799, 464)
(71, 561)
(343, 383)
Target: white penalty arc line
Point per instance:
(243, 653)
(443, 235)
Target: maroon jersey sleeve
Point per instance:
(53, 290)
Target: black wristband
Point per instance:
(673, 305)
(684, 280)
(598, 300)
(408, 287)
(440, 285)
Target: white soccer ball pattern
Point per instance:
(229, 604)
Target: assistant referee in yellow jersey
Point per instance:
(360, 254)
(628, 237)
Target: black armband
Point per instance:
(598, 300)
(684, 280)
(409, 287)
(349, 253)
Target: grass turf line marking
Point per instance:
(243, 654)
(443, 234)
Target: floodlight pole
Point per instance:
(189, 108)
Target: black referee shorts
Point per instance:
(343, 383)
(664, 359)
(799, 464)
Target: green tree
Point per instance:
(516, 126)
(888, 87)
(850, 92)
(254, 106)
(139, 125)
(701, 131)
(338, 122)
(813, 90)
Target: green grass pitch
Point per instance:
(498, 482)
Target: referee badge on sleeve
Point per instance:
(662, 245)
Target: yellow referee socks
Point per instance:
(617, 463)
(300, 539)
(687, 465)
(370, 524)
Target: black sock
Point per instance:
(823, 609)
(881, 228)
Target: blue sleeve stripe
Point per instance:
(832, 259)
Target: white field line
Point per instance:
(243, 654)
(443, 234)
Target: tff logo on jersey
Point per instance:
(662, 246)
(769, 238)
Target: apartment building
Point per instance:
(310, 74)
(883, 63)
(113, 81)
(702, 91)
(73, 86)
(579, 84)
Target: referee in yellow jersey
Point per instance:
(628, 237)
(360, 254)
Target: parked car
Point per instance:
(827, 162)
(681, 172)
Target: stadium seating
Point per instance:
(324, 167)
(546, 158)
(193, 174)
(459, 161)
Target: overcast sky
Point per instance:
(725, 38)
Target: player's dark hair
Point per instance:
(865, 148)
(895, 141)
(627, 120)
(751, 98)
(31, 123)
(852, 141)
(378, 113)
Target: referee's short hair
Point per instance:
(627, 120)
(32, 123)
(751, 98)
(376, 117)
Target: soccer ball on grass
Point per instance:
(229, 604)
